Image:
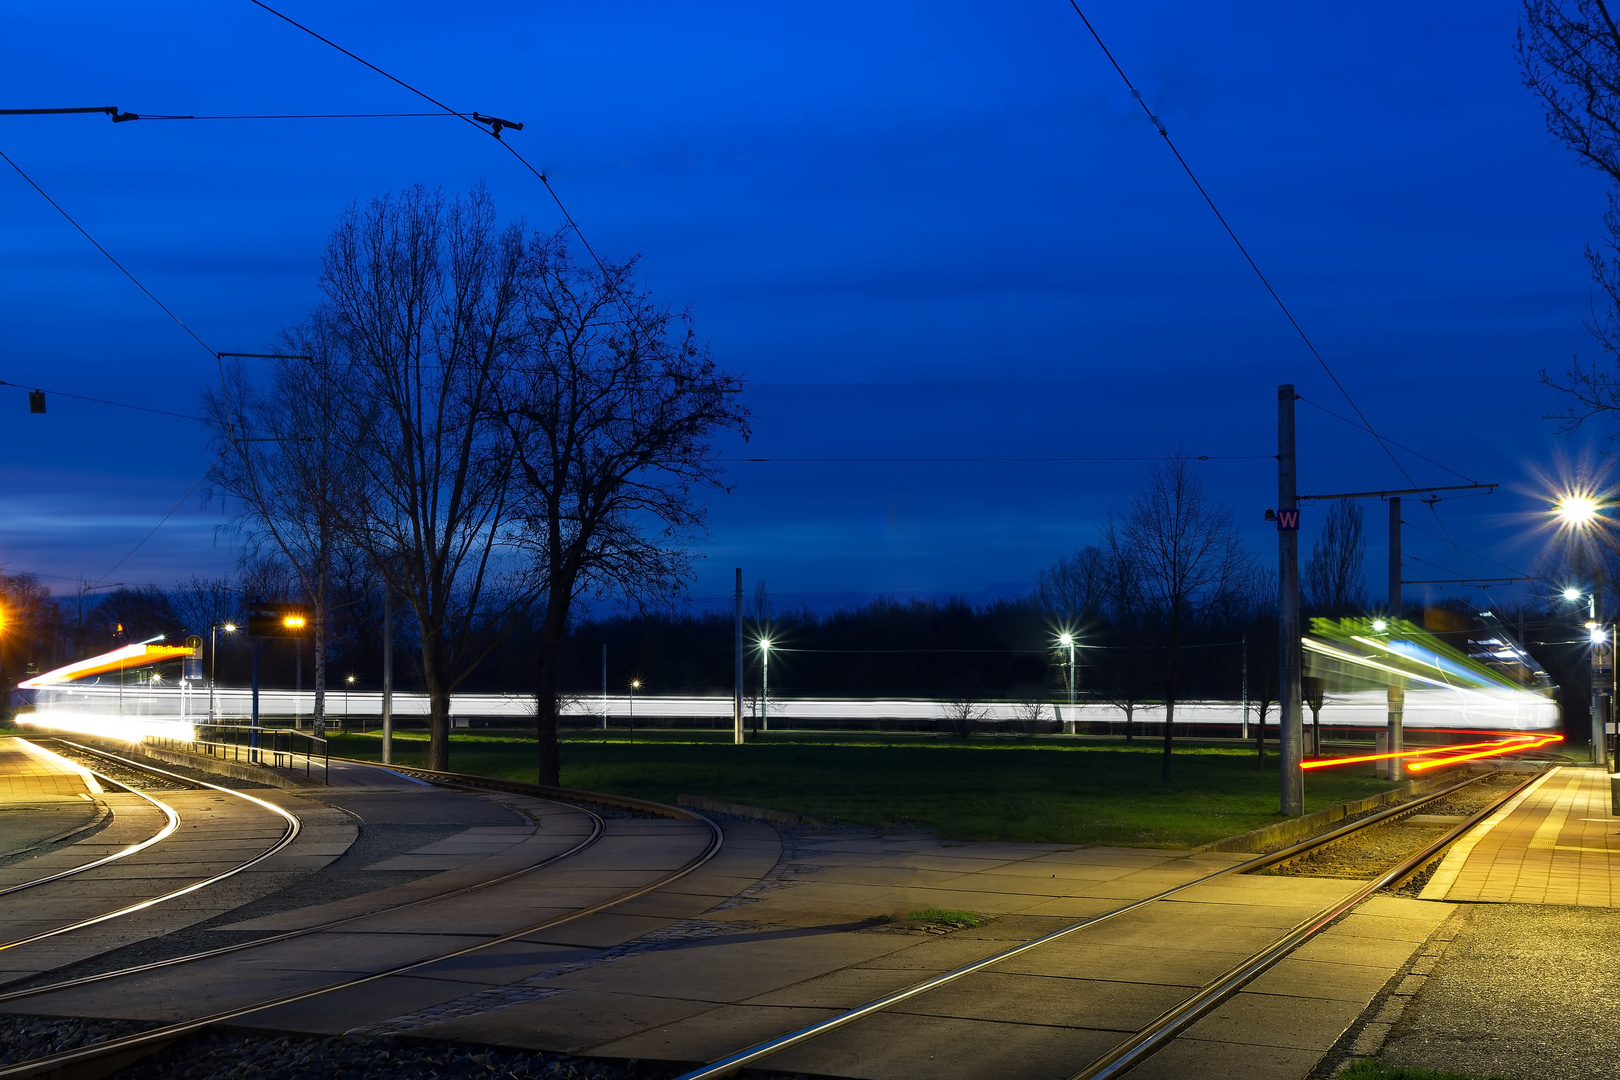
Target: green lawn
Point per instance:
(1050, 790)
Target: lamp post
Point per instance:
(1577, 513)
(1067, 641)
(348, 684)
(213, 661)
(764, 684)
(635, 684)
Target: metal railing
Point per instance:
(272, 747)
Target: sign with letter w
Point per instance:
(1287, 520)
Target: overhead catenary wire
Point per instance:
(960, 460)
(172, 511)
(494, 130)
(1244, 251)
(122, 269)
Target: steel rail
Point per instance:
(288, 835)
(171, 823)
(132, 1047)
(597, 828)
(731, 1063)
(1173, 1021)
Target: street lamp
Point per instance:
(213, 661)
(764, 684)
(635, 684)
(348, 684)
(1067, 641)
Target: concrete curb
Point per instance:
(1298, 828)
(720, 806)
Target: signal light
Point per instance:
(36, 401)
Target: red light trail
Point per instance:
(1434, 756)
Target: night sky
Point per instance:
(919, 230)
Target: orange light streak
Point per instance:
(117, 660)
(1322, 763)
(1531, 743)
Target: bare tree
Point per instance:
(1569, 56)
(611, 412)
(422, 303)
(1077, 589)
(963, 714)
(1188, 557)
(205, 602)
(1031, 715)
(1334, 579)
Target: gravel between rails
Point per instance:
(1373, 850)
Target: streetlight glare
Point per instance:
(1576, 509)
(229, 628)
(1066, 639)
(1572, 594)
(1598, 635)
(1379, 625)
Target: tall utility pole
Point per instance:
(1245, 687)
(1289, 660)
(604, 686)
(737, 686)
(1397, 692)
(388, 676)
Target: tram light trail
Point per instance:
(1427, 758)
(1527, 742)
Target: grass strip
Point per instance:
(1058, 791)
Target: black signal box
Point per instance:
(279, 620)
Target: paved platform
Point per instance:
(1555, 843)
(28, 771)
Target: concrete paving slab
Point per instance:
(899, 1047)
(1186, 1058)
(1032, 999)
(710, 1034)
(732, 967)
(1321, 979)
(843, 989)
(1267, 1020)
(1080, 958)
(568, 1022)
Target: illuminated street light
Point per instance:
(1576, 509)
(1572, 594)
(1380, 625)
(213, 661)
(764, 684)
(1066, 640)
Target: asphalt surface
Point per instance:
(1524, 992)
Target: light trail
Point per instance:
(1533, 741)
(1427, 758)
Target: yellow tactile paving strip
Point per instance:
(27, 773)
(1557, 844)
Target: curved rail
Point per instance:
(172, 822)
(133, 1046)
(289, 834)
(597, 828)
(733, 1062)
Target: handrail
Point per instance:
(274, 747)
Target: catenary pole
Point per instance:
(1290, 716)
(737, 685)
(1395, 735)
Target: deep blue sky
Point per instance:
(918, 229)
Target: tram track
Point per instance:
(171, 823)
(289, 834)
(104, 1056)
(1162, 1029)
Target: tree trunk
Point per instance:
(1260, 735)
(439, 727)
(438, 704)
(1130, 709)
(545, 702)
(1171, 684)
(320, 670)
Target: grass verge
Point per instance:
(1028, 790)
